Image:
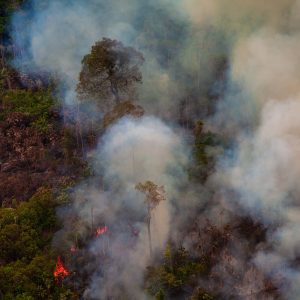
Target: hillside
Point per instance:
(148, 150)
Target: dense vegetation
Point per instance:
(27, 261)
(43, 155)
(37, 162)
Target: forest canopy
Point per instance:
(149, 149)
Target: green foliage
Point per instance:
(39, 211)
(24, 231)
(27, 265)
(27, 281)
(35, 104)
(177, 270)
(204, 142)
(110, 71)
(19, 280)
(207, 147)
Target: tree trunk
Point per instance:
(149, 231)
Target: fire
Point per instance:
(60, 271)
(73, 248)
(101, 230)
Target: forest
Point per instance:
(149, 149)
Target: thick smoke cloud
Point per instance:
(181, 60)
(260, 109)
(141, 150)
(238, 15)
(265, 69)
(266, 174)
(185, 43)
(131, 151)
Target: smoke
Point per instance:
(58, 36)
(263, 85)
(137, 151)
(260, 109)
(265, 173)
(239, 17)
(181, 62)
(245, 54)
(131, 151)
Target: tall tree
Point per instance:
(154, 195)
(110, 71)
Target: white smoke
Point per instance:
(266, 174)
(259, 109)
(265, 169)
(55, 36)
(131, 151)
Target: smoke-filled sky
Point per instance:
(245, 53)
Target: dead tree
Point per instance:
(154, 195)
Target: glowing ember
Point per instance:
(73, 248)
(60, 271)
(101, 230)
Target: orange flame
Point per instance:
(101, 230)
(60, 270)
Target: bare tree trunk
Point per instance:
(149, 231)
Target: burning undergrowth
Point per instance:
(108, 219)
(234, 64)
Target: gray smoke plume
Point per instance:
(263, 101)
(131, 151)
(187, 46)
(181, 61)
